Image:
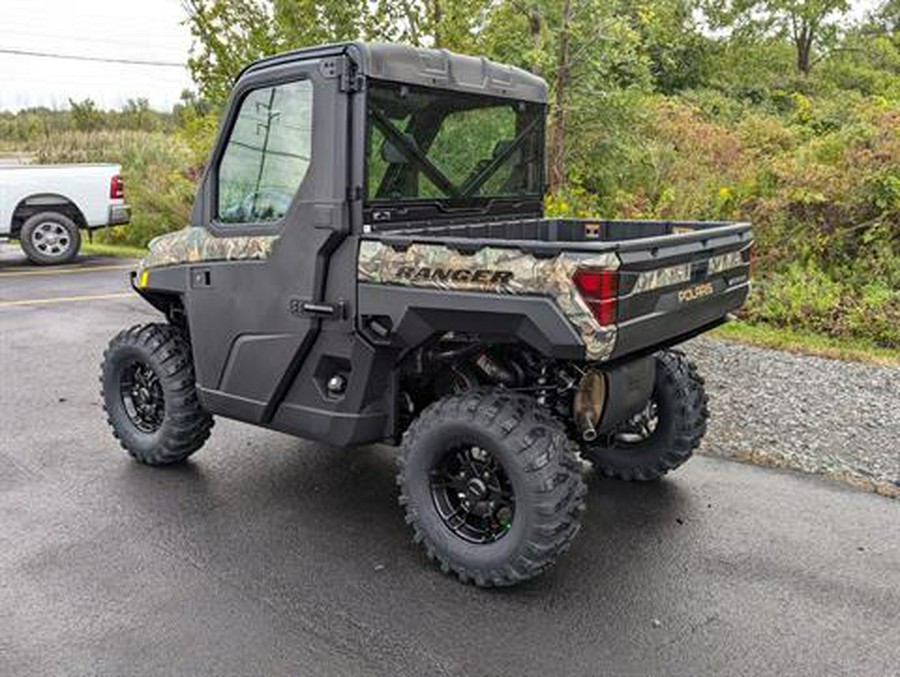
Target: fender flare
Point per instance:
(412, 315)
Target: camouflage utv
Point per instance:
(368, 261)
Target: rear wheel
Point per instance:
(50, 237)
(149, 395)
(664, 434)
(491, 486)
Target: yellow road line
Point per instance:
(65, 299)
(62, 271)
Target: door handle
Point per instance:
(323, 311)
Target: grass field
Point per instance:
(807, 343)
(116, 250)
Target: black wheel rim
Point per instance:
(142, 396)
(473, 494)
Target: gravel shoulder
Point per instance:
(830, 417)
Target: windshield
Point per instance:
(430, 144)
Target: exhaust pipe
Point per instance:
(590, 398)
(586, 426)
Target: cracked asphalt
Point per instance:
(268, 555)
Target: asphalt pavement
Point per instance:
(268, 555)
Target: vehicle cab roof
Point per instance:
(426, 67)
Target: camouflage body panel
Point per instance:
(498, 270)
(662, 277)
(723, 262)
(194, 244)
(667, 277)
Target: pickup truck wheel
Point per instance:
(149, 395)
(662, 436)
(50, 237)
(491, 485)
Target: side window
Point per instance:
(267, 154)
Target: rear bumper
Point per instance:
(119, 214)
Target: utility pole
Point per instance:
(267, 126)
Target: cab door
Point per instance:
(273, 208)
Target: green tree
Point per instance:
(809, 24)
(679, 53)
(229, 34)
(887, 17)
(585, 49)
(85, 115)
(136, 114)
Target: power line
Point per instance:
(147, 40)
(73, 57)
(165, 43)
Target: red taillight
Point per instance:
(599, 289)
(116, 188)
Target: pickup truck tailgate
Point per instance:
(673, 287)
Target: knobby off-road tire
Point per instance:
(50, 237)
(537, 462)
(153, 359)
(682, 412)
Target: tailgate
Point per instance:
(672, 287)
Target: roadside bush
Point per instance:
(818, 178)
(804, 297)
(801, 296)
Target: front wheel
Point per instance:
(149, 395)
(491, 486)
(664, 434)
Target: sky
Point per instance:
(145, 30)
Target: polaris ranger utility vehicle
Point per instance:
(368, 261)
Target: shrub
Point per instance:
(801, 297)
(157, 169)
(819, 179)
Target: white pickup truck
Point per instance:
(44, 207)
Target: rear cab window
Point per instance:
(450, 148)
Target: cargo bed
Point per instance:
(675, 278)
